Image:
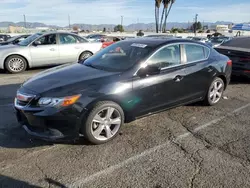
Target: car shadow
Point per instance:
(6, 181)
(235, 80)
(4, 72)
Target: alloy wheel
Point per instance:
(106, 123)
(216, 91)
(16, 64)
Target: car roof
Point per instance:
(242, 42)
(156, 42)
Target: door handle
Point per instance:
(178, 78)
(52, 49)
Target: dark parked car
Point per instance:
(217, 41)
(238, 50)
(4, 37)
(127, 80)
(14, 40)
(95, 37)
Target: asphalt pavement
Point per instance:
(189, 146)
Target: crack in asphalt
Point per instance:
(197, 170)
(41, 170)
(191, 157)
(208, 144)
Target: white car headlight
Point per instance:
(49, 101)
(65, 101)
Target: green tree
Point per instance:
(157, 12)
(196, 26)
(118, 28)
(104, 29)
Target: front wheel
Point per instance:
(15, 64)
(85, 55)
(215, 92)
(103, 122)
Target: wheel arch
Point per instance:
(84, 52)
(223, 77)
(127, 115)
(28, 64)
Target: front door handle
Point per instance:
(178, 78)
(52, 49)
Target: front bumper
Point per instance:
(51, 125)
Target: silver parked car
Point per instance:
(46, 49)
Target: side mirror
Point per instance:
(36, 43)
(149, 70)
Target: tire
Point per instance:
(215, 92)
(15, 64)
(98, 123)
(85, 55)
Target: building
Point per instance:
(16, 29)
(222, 28)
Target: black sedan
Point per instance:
(127, 80)
(238, 50)
(14, 40)
(4, 37)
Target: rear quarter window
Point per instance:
(196, 52)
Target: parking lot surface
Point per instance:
(189, 146)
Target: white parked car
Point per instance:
(46, 49)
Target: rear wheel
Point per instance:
(215, 92)
(85, 55)
(103, 122)
(15, 64)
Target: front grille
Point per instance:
(22, 103)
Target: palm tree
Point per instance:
(171, 2)
(157, 8)
(165, 8)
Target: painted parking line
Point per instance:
(81, 181)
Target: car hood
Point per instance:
(68, 80)
(8, 47)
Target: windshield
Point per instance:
(217, 40)
(119, 56)
(12, 39)
(29, 39)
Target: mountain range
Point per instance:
(110, 27)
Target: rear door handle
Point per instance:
(52, 49)
(178, 78)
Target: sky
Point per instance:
(110, 11)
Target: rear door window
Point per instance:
(196, 52)
(67, 39)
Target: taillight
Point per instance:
(229, 63)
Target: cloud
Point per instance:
(232, 12)
(57, 11)
(110, 12)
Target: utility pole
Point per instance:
(24, 19)
(195, 24)
(121, 20)
(121, 23)
(69, 20)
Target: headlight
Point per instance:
(65, 101)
